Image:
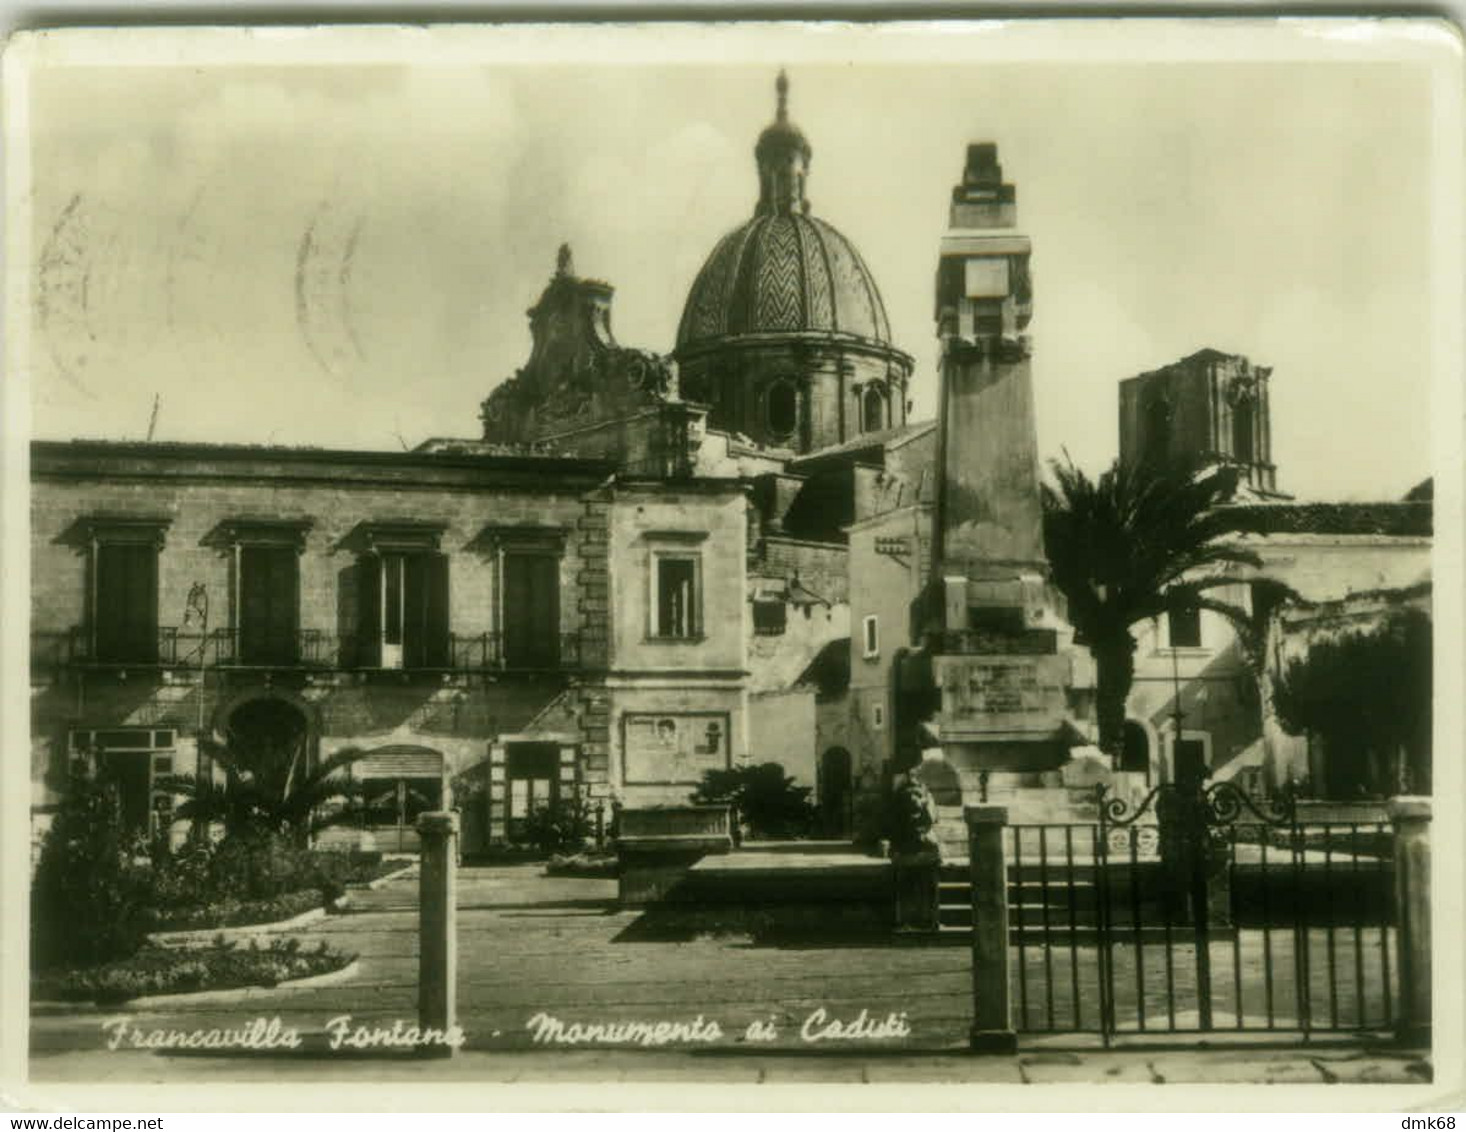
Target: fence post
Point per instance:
(992, 1021)
(1411, 819)
(437, 970)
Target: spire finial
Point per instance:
(564, 264)
(781, 85)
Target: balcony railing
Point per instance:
(988, 642)
(309, 649)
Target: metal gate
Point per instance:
(1199, 911)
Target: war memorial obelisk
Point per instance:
(998, 642)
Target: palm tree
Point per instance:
(281, 795)
(1138, 542)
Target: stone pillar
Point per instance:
(1411, 819)
(437, 970)
(992, 1022)
(497, 804)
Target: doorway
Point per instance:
(1135, 753)
(1190, 762)
(399, 783)
(533, 771)
(835, 792)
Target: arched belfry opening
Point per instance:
(873, 410)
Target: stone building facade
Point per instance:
(451, 615)
(783, 378)
(1207, 408)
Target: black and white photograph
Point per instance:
(907, 556)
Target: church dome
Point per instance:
(784, 271)
(783, 274)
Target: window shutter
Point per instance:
(369, 611)
(531, 610)
(269, 604)
(435, 610)
(414, 610)
(147, 629)
(127, 602)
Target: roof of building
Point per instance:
(1400, 519)
(868, 441)
(829, 671)
(504, 458)
(1199, 357)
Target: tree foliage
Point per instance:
(278, 796)
(1131, 545)
(88, 898)
(1368, 696)
(768, 800)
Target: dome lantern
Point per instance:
(783, 155)
(784, 322)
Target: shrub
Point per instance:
(255, 867)
(768, 801)
(88, 899)
(566, 826)
(588, 864)
(159, 970)
(232, 913)
(872, 820)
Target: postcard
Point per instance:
(622, 565)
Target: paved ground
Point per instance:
(534, 946)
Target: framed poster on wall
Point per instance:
(673, 748)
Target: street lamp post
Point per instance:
(197, 609)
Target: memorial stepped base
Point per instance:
(1054, 806)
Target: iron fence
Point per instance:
(1177, 916)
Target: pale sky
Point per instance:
(343, 255)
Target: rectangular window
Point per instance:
(126, 602)
(1183, 627)
(531, 611)
(404, 610)
(678, 612)
(135, 761)
(871, 637)
(533, 773)
(770, 618)
(269, 605)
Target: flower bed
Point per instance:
(230, 913)
(161, 970)
(588, 864)
(363, 868)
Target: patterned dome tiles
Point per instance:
(783, 274)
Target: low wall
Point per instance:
(657, 845)
(761, 894)
(1322, 811)
(1314, 897)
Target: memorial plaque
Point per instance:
(991, 696)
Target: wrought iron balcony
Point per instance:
(988, 642)
(492, 652)
(305, 649)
